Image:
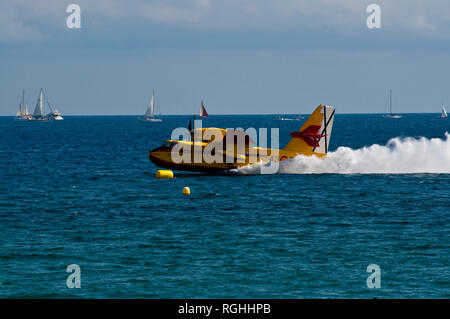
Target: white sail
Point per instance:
(19, 111)
(444, 112)
(26, 112)
(39, 109)
(149, 115)
(21, 105)
(151, 107)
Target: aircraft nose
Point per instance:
(152, 153)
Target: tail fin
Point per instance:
(315, 134)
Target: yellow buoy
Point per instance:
(186, 191)
(164, 174)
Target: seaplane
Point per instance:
(230, 149)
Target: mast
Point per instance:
(390, 100)
(20, 111)
(23, 110)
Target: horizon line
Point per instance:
(236, 114)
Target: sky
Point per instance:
(238, 56)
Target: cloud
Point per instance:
(170, 13)
(24, 19)
(399, 15)
(421, 22)
(12, 28)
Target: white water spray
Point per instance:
(398, 156)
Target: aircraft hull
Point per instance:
(162, 158)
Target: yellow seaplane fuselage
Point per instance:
(187, 155)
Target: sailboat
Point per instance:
(203, 112)
(444, 113)
(149, 116)
(296, 118)
(38, 114)
(54, 113)
(57, 116)
(22, 113)
(391, 115)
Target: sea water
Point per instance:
(82, 191)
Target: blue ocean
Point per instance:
(83, 191)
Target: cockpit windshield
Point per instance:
(168, 145)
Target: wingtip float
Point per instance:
(312, 138)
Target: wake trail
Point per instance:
(399, 156)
